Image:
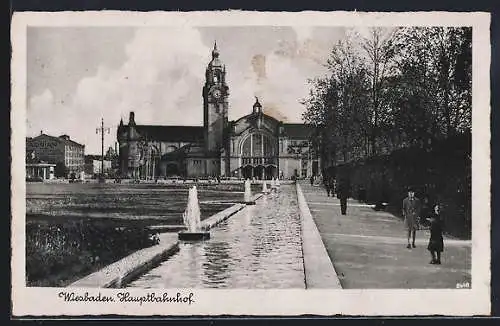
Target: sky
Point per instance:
(78, 75)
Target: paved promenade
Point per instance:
(368, 248)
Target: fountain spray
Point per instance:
(192, 219)
(264, 187)
(248, 193)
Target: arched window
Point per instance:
(258, 145)
(246, 149)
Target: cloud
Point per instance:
(157, 81)
(161, 74)
(41, 108)
(161, 80)
(279, 77)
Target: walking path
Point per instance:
(368, 248)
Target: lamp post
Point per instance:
(102, 130)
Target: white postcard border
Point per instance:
(459, 302)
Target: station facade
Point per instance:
(254, 146)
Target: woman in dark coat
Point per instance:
(436, 244)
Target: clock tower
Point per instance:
(215, 104)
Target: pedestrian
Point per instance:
(411, 214)
(311, 179)
(343, 194)
(326, 182)
(436, 244)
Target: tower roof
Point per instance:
(215, 57)
(215, 52)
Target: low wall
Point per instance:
(318, 268)
(126, 269)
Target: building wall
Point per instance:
(195, 167)
(46, 149)
(234, 164)
(165, 147)
(74, 158)
(287, 166)
(213, 167)
(54, 150)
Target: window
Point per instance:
(258, 145)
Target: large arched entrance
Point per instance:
(258, 155)
(259, 172)
(271, 171)
(247, 172)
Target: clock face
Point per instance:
(217, 94)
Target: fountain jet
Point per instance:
(264, 188)
(192, 219)
(248, 193)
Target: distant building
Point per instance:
(66, 154)
(38, 170)
(254, 146)
(93, 165)
(112, 155)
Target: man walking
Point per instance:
(343, 194)
(411, 213)
(327, 183)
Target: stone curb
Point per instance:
(318, 268)
(218, 218)
(128, 268)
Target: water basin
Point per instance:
(258, 247)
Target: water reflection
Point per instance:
(259, 247)
(217, 265)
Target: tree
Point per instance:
(391, 89)
(60, 170)
(434, 82)
(337, 104)
(379, 51)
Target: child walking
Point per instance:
(436, 244)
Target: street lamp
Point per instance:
(102, 130)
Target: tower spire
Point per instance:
(215, 51)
